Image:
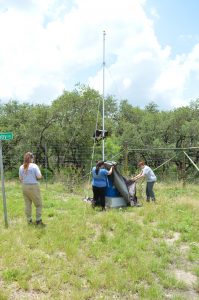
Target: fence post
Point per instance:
(184, 170)
(3, 187)
(46, 165)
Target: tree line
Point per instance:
(61, 134)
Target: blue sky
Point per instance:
(152, 49)
(177, 23)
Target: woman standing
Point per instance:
(147, 172)
(99, 183)
(29, 174)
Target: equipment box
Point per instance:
(115, 202)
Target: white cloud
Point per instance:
(48, 46)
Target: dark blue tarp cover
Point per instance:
(126, 187)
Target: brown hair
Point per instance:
(27, 160)
(141, 163)
(98, 166)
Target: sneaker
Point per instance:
(40, 223)
(30, 222)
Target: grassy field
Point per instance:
(150, 252)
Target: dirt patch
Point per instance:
(184, 248)
(172, 240)
(16, 293)
(20, 294)
(190, 295)
(187, 277)
(105, 294)
(60, 254)
(189, 280)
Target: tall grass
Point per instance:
(130, 253)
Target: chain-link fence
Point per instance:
(58, 165)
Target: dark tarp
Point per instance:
(126, 187)
(120, 185)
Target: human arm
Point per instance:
(110, 171)
(20, 175)
(38, 172)
(39, 177)
(140, 175)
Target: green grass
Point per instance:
(132, 253)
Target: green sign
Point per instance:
(4, 136)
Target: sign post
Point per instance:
(4, 136)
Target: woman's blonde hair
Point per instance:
(141, 163)
(27, 160)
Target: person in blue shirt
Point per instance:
(99, 183)
(148, 173)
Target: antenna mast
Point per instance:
(103, 132)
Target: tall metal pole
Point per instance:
(3, 187)
(46, 166)
(103, 133)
